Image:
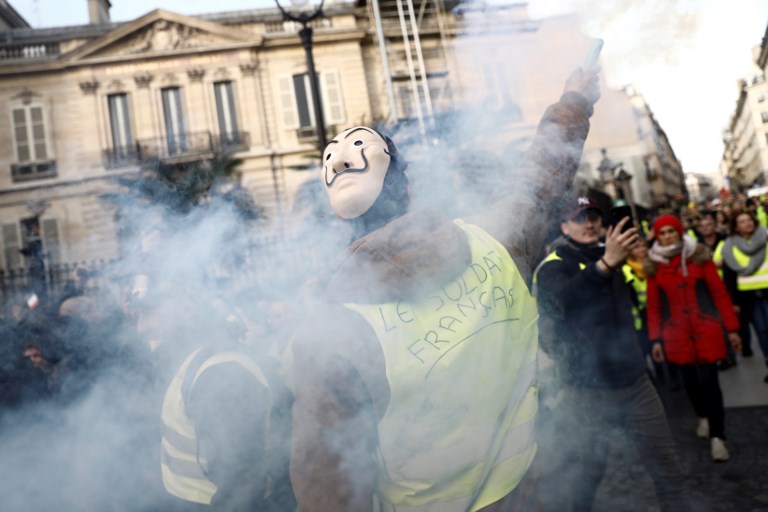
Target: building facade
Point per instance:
(745, 153)
(626, 135)
(87, 105)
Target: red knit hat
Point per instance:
(667, 220)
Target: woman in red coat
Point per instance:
(688, 306)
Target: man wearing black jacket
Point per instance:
(582, 292)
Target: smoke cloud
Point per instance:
(213, 277)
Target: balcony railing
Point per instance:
(232, 142)
(33, 171)
(122, 156)
(183, 147)
(34, 51)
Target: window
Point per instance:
(26, 245)
(298, 108)
(51, 240)
(33, 158)
(439, 95)
(502, 91)
(175, 133)
(122, 151)
(11, 246)
(225, 109)
(764, 116)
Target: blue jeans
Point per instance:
(760, 321)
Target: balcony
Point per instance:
(33, 171)
(179, 149)
(26, 52)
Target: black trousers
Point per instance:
(575, 447)
(702, 386)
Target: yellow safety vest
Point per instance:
(717, 257)
(182, 465)
(762, 217)
(641, 287)
(459, 432)
(553, 256)
(645, 226)
(758, 280)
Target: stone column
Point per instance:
(252, 104)
(90, 88)
(198, 115)
(144, 106)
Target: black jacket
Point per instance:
(595, 344)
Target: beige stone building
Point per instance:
(745, 153)
(625, 127)
(85, 105)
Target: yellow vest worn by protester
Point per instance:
(182, 465)
(717, 257)
(641, 287)
(758, 280)
(458, 434)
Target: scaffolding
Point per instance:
(402, 27)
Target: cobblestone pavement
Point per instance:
(739, 485)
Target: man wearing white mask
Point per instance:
(416, 372)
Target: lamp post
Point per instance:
(305, 11)
(605, 170)
(622, 181)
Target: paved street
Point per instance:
(740, 484)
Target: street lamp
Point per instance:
(622, 180)
(605, 169)
(304, 12)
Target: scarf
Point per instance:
(686, 247)
(754, 248)
(637, 268)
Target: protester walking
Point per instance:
(583, 292)
(745, 271)
(688, 306)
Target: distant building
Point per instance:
(625, 132)
(700, 187)
(745, 140)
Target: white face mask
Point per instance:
(355, 164)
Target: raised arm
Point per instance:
(523, 210)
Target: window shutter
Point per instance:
(225, 109)
(333, 101)
(120, 122)
(11, 246)
(20, 135)
(231, 109)
(51, 247)
(288, 103)
(38, 133)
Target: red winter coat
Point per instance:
(688, 313)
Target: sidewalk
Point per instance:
(739, 485)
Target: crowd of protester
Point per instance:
(737, 221)
(55, 350)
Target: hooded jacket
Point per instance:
(689, 312)
(341, 385)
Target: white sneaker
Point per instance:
(719, 451)
(703, 429)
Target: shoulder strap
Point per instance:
(189, 378)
